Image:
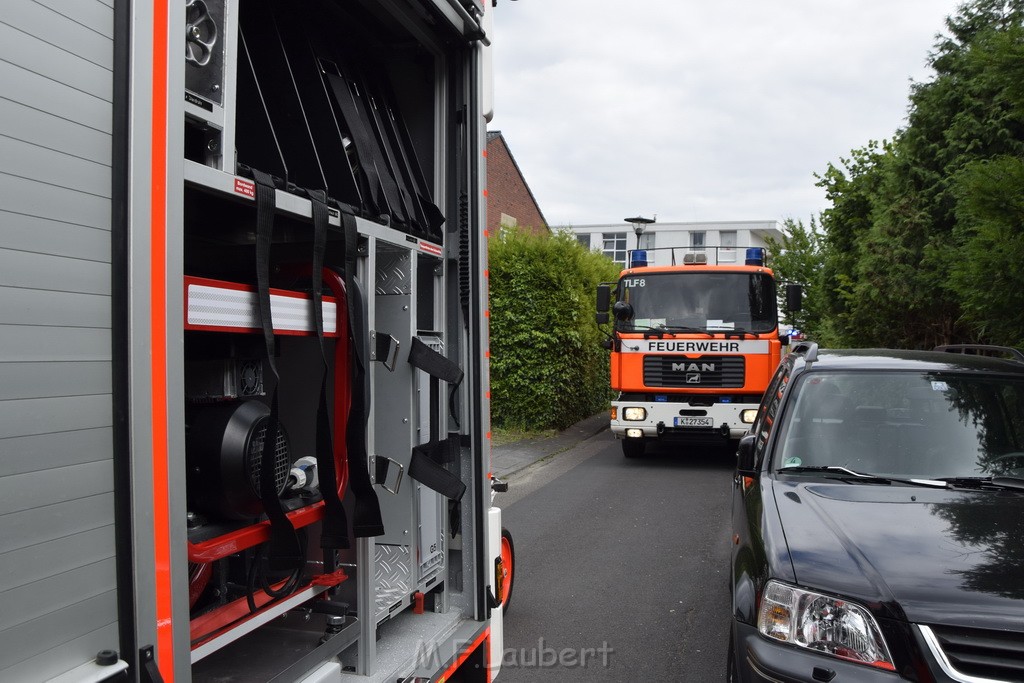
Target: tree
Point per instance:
(905, 213)
(548, 368)
(796, 259)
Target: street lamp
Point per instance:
(639, 225)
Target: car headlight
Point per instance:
(823, 623)
(634, 414)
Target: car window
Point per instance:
(768, 411)
(907, 424)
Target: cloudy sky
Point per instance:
(700, 110)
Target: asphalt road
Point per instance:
(621, 565)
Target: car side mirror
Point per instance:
(794, 298)
(745, 456)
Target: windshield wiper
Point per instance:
(742, 334)
(661, 330)
(1016, 483)
(683, 329)
(852, 476)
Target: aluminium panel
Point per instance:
(34, 235)
(57, 98)
(36, 637)
(19, 455)
(52, 168)
(96, 15)
(34, 198)
(43, 271)
(57, 552)
(35, 307)
(74, 34)
(56, 63)
(19, 343)
(47, 379)
(35, 127)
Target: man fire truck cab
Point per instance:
(693, 345)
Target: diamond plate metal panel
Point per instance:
(393, 575)
(394, 272)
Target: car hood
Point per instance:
(925, 555)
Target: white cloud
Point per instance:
(700, 111)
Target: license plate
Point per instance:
(694, 422)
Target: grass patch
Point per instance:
(503, 437)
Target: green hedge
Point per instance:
(548, 368)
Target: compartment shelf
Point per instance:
(242, 189)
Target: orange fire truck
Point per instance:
(693, 345)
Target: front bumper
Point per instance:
(661, 416)
(758, 659)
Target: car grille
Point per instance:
(706, 371)
(976, 654)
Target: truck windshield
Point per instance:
(708, 302)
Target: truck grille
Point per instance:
(977, 654)
(681, 372)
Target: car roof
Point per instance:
(892, 359)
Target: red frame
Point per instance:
(207, 625)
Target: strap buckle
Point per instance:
(382, 467)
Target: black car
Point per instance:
(878, 520)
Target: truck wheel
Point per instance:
(633, 448)
(508, 559)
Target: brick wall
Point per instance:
(507, 191)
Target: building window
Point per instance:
(614, 246)
(697, 240)
(727, 254)
(647, 241)
(584, 239)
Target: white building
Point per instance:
(724, 239)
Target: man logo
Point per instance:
(693, 378)
(693, 367)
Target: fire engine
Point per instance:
(243, 342)
(694, 344)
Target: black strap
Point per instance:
(334, 533)
(427, 464)
(367, 520)
(366, 146)
(285, 551)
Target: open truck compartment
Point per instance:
(289, 480)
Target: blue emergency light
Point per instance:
(638, 258)
(755, 256)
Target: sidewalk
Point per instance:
(512, 457)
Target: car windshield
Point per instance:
(700, 300)
(905, 424)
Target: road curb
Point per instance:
(510, 458)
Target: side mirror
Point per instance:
(623, 311)
(604, 298)
(784, 339)
(745, 456)
(794, 298)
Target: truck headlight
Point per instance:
(748, 416)
(634, 414)
(823, 623)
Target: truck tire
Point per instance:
(633, 448)
(508, 558)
